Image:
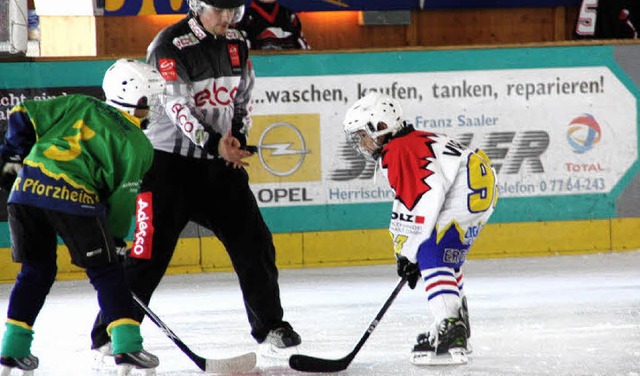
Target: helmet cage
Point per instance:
(370, 121)
(219, 7)
(361, 141)
(156, 107)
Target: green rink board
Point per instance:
(371, 216)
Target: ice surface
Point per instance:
(565, 315)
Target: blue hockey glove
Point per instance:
(408, 270)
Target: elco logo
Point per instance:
(282, 149)
(218, 95)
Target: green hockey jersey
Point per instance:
(80, 156)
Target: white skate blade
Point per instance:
(125, 369)
(428, 358)
(131, 370)
(6, 371)
(102, 362)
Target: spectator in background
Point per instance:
(608, 19)
(268, 25)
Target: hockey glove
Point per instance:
(10, 165)
(408, 270)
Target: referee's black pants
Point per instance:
(218, 198)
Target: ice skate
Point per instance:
(142, 360)
(280, 343)
(446, 346)
(23, 366)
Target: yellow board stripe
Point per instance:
(367, 247)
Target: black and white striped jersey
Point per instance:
(209, 83)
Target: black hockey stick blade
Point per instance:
(307, 363)
(240, 363)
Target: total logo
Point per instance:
(288, 148)
(583, 133)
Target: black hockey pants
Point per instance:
(33, 234)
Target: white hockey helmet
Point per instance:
(363, 123)
(127, 81)
(198, 6)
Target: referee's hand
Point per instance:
(229, 149)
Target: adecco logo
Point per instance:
(289, 148)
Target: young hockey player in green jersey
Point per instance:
(73, 165)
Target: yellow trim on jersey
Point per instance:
(21, 324)
(53, 175)
(136, 121)
(119, 322)
(17, 108)
(440, 233)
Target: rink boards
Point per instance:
(560, 124)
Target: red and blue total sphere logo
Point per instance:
(583, 133)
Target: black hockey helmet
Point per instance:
(198, 6)
(225, 4)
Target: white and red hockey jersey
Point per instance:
(444, 194)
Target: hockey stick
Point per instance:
(241, 363)
(311, 364)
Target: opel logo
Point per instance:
(281, 149)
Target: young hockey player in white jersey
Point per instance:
(444, 195)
